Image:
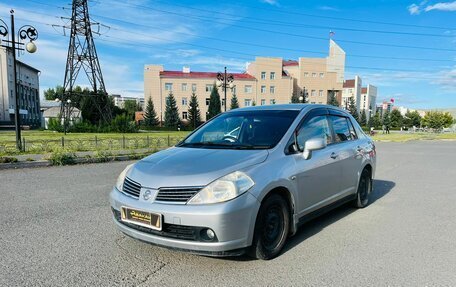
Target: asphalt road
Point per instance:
(56, 230)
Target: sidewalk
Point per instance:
(40, 160)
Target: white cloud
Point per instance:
(271, 2)
(414, 9)
(442, 6)
(328, 8)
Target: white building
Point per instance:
(119, 101)
(28, 87)
(368, 100)
(351, 89)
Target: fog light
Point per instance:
(210, 233)
(147, 194)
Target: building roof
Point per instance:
(55, 111)
(202, 75)
(28, 66)
(363, 90)
(290, 63)
(349, 84)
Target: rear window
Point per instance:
(341, 129)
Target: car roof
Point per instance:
(284, 107)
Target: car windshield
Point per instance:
(243, 130)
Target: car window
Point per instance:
(316, 127)
(341, 129)
(352, 129)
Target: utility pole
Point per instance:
(225, 81)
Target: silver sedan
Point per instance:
(245, 180)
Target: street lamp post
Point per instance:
(25, 32)
(225, 81)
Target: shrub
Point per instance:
(123, 124)
(103, 156)
(30, 159)
(62, 157)
(8, 159)
(55, 125)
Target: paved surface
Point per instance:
(56, 229)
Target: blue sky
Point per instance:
(177, 33)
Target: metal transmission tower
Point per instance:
(82, 54)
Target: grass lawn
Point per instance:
(404, 136)
(49, 141)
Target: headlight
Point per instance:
(225, 188)
(121, 178)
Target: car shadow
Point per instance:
(307, 230)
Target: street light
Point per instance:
(67, 112)
(225, 81)
(25, 32)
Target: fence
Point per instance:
(90, 144)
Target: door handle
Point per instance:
(333, 155)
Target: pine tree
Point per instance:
(171, 112)
(362, 120)
(150, 116)
(386, 121)
(352, 108)
(332, 99)
(215, 106)
(396, 119)
(234, 102)
(194, 116)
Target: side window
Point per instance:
(316, 127)
(341, 129)
(352, 130)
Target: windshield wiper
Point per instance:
(247, 146)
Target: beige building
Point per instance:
(266, 81)
(352, 89)
(28, 87)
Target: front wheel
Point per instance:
(271, 228)
(364, 190)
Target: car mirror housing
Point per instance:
(311, 145)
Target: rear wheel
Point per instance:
(271, 228)
(364, 190)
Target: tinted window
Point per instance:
(341, 129)
(316, 127)
(246, 130)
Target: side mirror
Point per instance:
(311, 145)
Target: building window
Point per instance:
(193, 87)
(263, 102)
(263, 89)
(248, 89)
(322, 75)
(247, 102)
(312, 102)
(320, 93)
(272, 77)
(263, 75)
(306, 74)
(184, 101)
(184, 87)
(168, 86)
(314, 75)
(272, 89)
(313, 93)
(184, 115)
(209, 88)
(208, 100)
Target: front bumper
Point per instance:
(233, 223)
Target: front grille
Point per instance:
(182, 232)
(176, 194)
(131, 187)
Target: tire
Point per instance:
(271, 228)
(364, 190)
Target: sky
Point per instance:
(405, 48)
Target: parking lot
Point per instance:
(56, 229)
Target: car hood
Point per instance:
(180, 166)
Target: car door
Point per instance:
(317, 177)
(349, 152)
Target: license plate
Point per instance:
(142, 218)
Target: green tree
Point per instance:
(376, 121)
(253, 103)
(362, 119)
(131, 107)
(332, 99)
(194, 115)
(171, 112)
(437, 120)
(51, 94)
(150, 116)
(396, 119)
(352, 109)
(294, 99)
(386, 121)
(412, 119)
(215, 107)
(234, 102)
